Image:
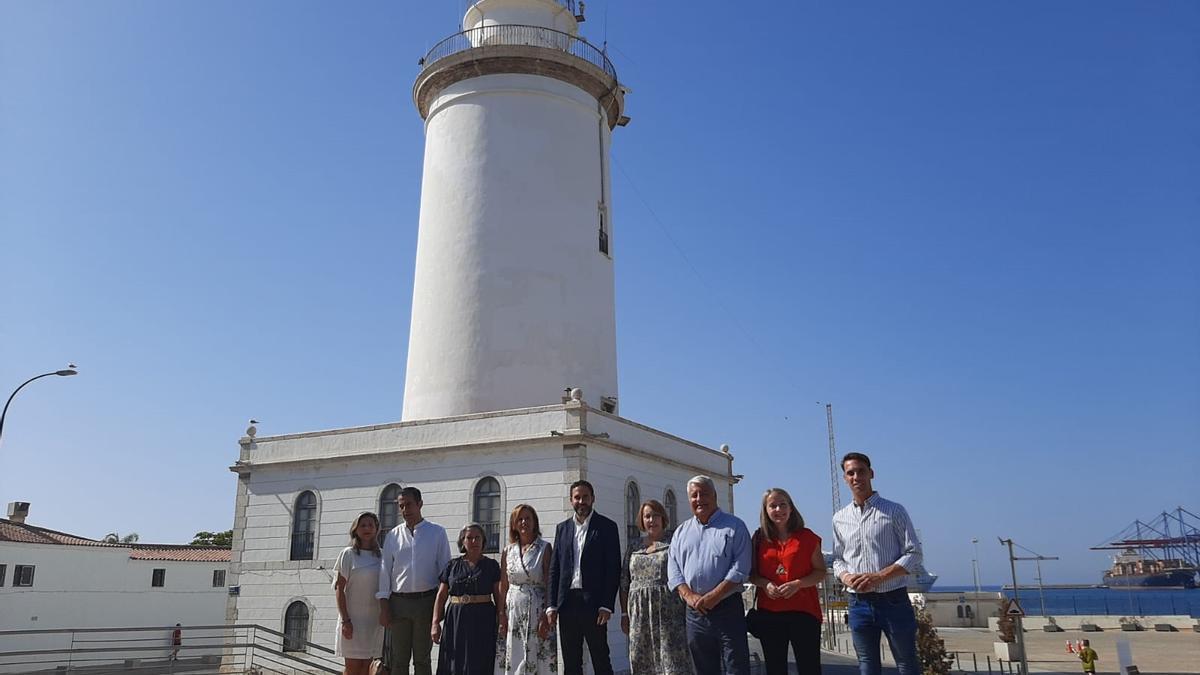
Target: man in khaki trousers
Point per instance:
(414, 553)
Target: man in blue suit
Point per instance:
(584, 575)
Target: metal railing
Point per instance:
(239, 648)
(519, 35)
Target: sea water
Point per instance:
(1108, 601)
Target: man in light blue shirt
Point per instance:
(707, 565)
(875, 547)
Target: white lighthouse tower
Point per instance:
(513, 294)
(512, 304)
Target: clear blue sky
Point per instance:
(973, 227)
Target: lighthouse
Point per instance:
(513, 288)
(511, 388)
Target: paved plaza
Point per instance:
(1153, 652)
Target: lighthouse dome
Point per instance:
(557, 15)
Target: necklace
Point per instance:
(780, 571)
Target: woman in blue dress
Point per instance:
(467, 600)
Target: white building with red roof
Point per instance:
(51, 579)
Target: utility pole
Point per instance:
(1038, 558)
(1018, 629)
(975, 574)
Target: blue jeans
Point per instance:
(717, 640)
(891, 614)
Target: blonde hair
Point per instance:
(513, 535)
(658, 509)
(767, 526)
(354, 532)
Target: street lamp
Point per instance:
(975, 573)
(65, 372)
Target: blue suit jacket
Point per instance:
(600, 563)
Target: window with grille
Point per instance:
(304, 526)
(487, 512)
(158, 578)
(295, 627)
(389, 510)
(218, 578)
(633, 504)
(672, 509)
(3, 569)
(23, 575)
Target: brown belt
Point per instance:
(469, 599)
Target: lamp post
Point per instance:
(65, 372)
(975, 573)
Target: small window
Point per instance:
(304, 526)
(633, 504)
(970, 614)
(158, 578)
(3, 569)
(603, 233)
(960, 611)
(295, 627)
(487, 512)
(23, 575)
(389, 510)
(672, 509)
(218, 578)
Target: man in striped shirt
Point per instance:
(874, 548)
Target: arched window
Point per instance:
(487, 512)
(389, 511)
(633, 503)
(304, 526)
(960, 611)
(672, 508)
(295, 627)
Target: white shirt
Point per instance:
(581, 530)
(413, 558)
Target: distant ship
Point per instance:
(921, 581)
(1131, 569)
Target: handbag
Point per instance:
(379, 665)
(756, 619)
(757, 622)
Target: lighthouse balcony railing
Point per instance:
(506, 35)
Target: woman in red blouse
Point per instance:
(788, 565)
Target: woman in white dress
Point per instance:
(528, 646)
(359, 635)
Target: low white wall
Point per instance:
(1105, 622)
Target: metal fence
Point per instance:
(241, 648)
(520, 35)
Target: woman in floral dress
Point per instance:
(654, 618)
(529, 646)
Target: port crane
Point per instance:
(1170, 536)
